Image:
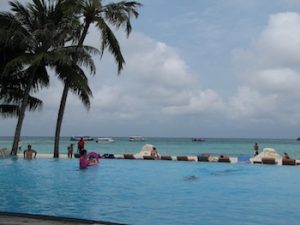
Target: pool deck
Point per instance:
(7, 218)
(173, 158)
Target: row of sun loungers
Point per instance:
(272, 161)
(202, 158)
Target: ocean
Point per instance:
(165, 146)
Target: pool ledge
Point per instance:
(9, 218)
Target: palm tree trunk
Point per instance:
(60, 119)
(83, 34)
(64, 99)
(21, 117)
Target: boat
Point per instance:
(104, 140)
(85, 138)
(298, 139)
(197, 139)
(136, 138)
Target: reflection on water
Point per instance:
(190, 178)
(225, 172)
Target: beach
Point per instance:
(176, 146)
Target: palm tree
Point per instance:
(75, 80)
(93, 11)
(11, 95)
(11, 88)
(42, 33)
(28, 64)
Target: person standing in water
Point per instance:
(28, 153)
(256, 149)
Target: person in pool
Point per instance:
(28, 153)
(84, 162)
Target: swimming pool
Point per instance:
(152, 192)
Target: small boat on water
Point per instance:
(85, 138)
(136, 138)
(198, 139)
(103, 140)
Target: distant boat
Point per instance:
(103, 140)
(136, 138)
(85, 138)
(198, 139)
(298, 139)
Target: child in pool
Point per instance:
(84, 162)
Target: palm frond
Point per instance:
(77, 81)
(8, 110)
(110, 41)
(119, 14)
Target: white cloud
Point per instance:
(270, 73)
(280, 43)
(202, 102)
(277, 80)
(251, 104)
(155, 81)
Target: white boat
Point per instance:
(85, 138)
(136, 138)
(104, 140)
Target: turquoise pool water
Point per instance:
(153, 192)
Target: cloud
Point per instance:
(269, 73)
(155, 82)
(250, 103)
(279, 42)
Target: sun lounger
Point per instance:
(182, 158)
(224, 159)
(203, 158)
(268, 160)
(108, 156)
(148, 157)
(166, 157)
(129, 156)
(289, 162)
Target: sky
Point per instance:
(209, 68)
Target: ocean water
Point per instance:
(156, 192)
(166, 146)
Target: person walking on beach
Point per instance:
(70, 151)
(80, 145)
(256, 149)
(20, 145)
(28, 153)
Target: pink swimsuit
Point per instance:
(83, 162)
